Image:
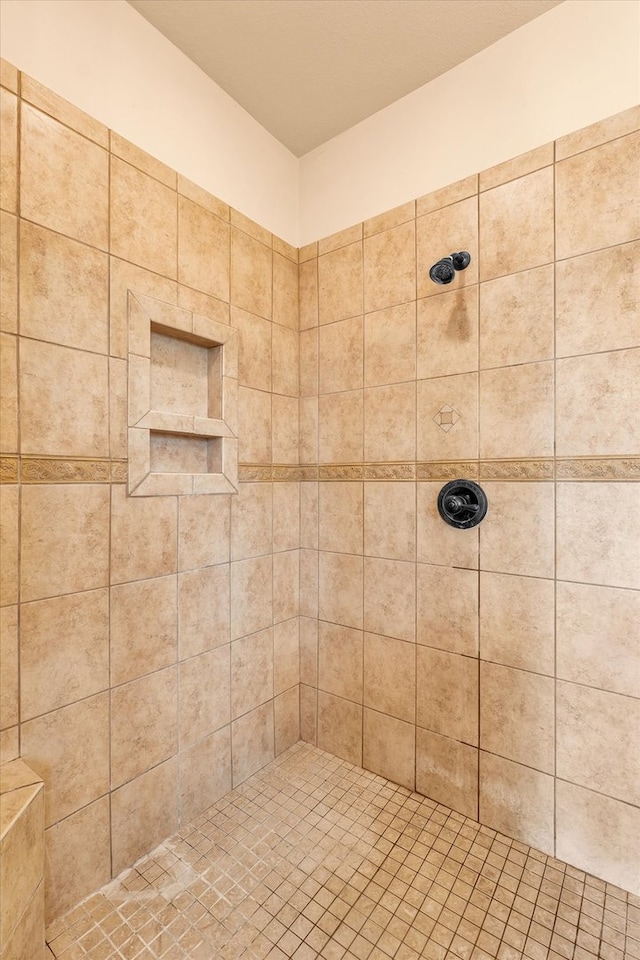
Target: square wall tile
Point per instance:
(309, 433)
(251, 274)
(205, 773)
(308, 714)
(340, 280)
(598, 204)
(204, 531)
(69, 749)
(517, 715)
(340, 356)
(143, 813)
(254, 356)
(143, 627)
(597, 739)
(286, 585)
(390, 520)
(447, 694)
(308, 294)
(73, 199)
(251, 521)
(9, 683)
(9, 152)
(447, 333)
(517, 801)
(203, 250)
(341, 427)
(9, 546)
(251, 672)
(309, 651)
(204, 695)
(516, 318)
(390, 267)
(9, 392)
(389, 748)
(448, 608)
(64, 651)
(285, 291)
(599, 542)
(517, 167)
(517, 534)
(309, 515)
(389, 422)
(390, 598)
(286, 431)
(143, 536)
(390, 676)
(452, 193)
(516, 411)
(286, 655)
(8, 272)
(438, 542)
(251, 596)
(309, 583)
(144, 220)
(597, 637)
(340, 727)
(285, 360)
(203, 610)
(53, 517)
(286, 707)
(447, 772)
(517, 622)
(600, 132)
(144, 724)
(448, 229)
(125, 276)
(309, 346)
(447, 418)
(340, 589)
(516, 223)
(286, 516)
(254, 426)
(252, 739)
(390, 345)
(340, 655)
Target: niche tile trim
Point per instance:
(182, 401)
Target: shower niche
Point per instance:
(182, 401)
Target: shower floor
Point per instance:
(314, 857)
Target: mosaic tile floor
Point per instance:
(313, 857)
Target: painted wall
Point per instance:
(106, 59)
(576, 64)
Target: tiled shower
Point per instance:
(158, 651)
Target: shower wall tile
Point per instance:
(340, 281)
(9, 392)
(340, 239)
(286, 585)
(203, 531)
(390, 520)
(9, 150)
(516, 318)
(597, 133)
(286, 655)
(309, 651)
(389, 219)
(251, 274)
(340, 356)
(448, 195)
(447, 418)
(597, 197)
(518, 167)
(309, 362)
(143, 223)
(341, 427)
(286, 516)
(285, 361)
(447, 771)
(437, 542)
(254, 426)
(517, 715)
(204, 695)
(308, 714)
(598, 398)
(308, 294)
(205, 773)
(9, 678)
(203, 250)
(286, 719)
(517, 800)
(389, 422)
(517, 535)
(447, 333)
(251, 596)
(389, 676)
(390, 598)
(286, 430)
(250, 227)
(143, 812)
(340, 655)
(8, 272)
(9, 544)
(309, 430)
(143, 536)
(390, 345)
(516, 224)
(516, 411)
(253, 742)
(126, 276)
(447, 694)
(285, 290)
(517, 622)
(447, 608)
(441, 232)
(389, 748)
(390, 267)
(143, 624)
(340, 589)
(143, 161)
(203, 610)
(251, 521)
(340, 727)
(254, 358)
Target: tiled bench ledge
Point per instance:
(21, 863)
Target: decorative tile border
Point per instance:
(625, 468)
(9, 469)
(61, 470)
(447, 469)
(516, 469)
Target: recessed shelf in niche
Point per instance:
(182, 404)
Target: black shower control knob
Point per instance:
(457, 504)
(462, 504)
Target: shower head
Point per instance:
(445, 269)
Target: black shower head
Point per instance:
(445, 270)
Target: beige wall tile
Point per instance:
(389, 748)
(64, 651)
(118, 387)
(517, 715)
(204, 531)
(286, 655)
(309, 651)
(340, 727)
(143, 813)
(63, 401)
(308, 363)
(285, 438)
(452, 193)
(447, 609)
(390, 345)
(64, 290)
(251, 521)
(203, 250)
(286, 708)
(309, 567)
(340, 589)
(599, 542)
(597, 400)
(516, 318)
(597, 197)
(308, 714)
(203, 304)
(517, 533)
(27, 938)
(254, 359)
(516, 411)
(204, 695)
(22, 862)
(286, 515)
(437, 541)
(341, 365)
(518, 167)
(341, 427)
(143, 536)
(447, 694)
(250, 227)
(126, 276)
(308, 294)
(144, 724)
(9, 744)
(390, 676)
(252, 737)
(286, 585)
(340, 239)
(601, 132)
(9, 681)
(517, 622)
(517, 801)
(73, 198)
(390, 520)
(447, 333)
(205, 773)
(340, 661)
(340, 280)
(588, 318)
(597, 637)
(9, 151)
(390, 598)
(285, 361)
(8, 393)
(251, 596)
(447, 772)
(597, 738)
(390, 267)
(84, 840)
(143, 627)
(9, 544)
(441, 233)
(143, 161)
(389, 422)
(341, 516)
(309, 431)
(251, 274)
(285, 291)
(143, 220)
(204, 610)
(8, 272)
(389, 219)
(448, 418)
(69, 749)
(54, 515)
(516, 223)
(598, 834)
(254, 426)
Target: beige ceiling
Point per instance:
(309, 69)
